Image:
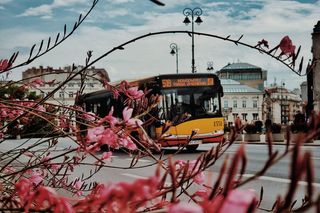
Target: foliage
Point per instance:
(299, 124)
(276, 128)
(251, 129)
(258, 124)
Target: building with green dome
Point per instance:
(244, 73)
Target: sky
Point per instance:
(113, 22)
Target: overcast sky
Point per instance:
(113, 22)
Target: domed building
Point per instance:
(244, 73)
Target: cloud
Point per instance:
(120, 1)
(116, 13)
(46, 9)
(270, 20)
(5, 1)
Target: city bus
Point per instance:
(190, 102)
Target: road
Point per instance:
(275, 181)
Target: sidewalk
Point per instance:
(263, 141)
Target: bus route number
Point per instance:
(217, 123)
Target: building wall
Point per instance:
(251, 111)
(316, 70)
(66, 95)
(275, 98)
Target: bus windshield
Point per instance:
(194, 101)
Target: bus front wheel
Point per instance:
(192, 148)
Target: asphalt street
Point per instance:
(275, 181)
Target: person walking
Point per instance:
(238, 124)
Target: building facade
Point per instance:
(315, 79)
(281, 105)
(67, 93)
(240, 100)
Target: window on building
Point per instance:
(235, 104)
(255, 103)
(255, 116)
(234, 115)
(244, 116)
(244, 104)
(61, 94)
(225, 104)
(70, 94)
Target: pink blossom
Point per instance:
(134, 93)
(238, 200)
(36, 177)
(286, 46)
(95, 134)
(130, 122)
(127, 143)
(110, 119)
(183, 207)
(106, 155)
(29, 154)
(192, 167)
(9, 169)
(63, 122)
(116, 196)
(37, 82)
(51, 83)
(24, 189)
(41, 108)
(55, 167)
(4, 64)
(78, 184)
(110, 138)
(89, 116)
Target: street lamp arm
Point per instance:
(193, 12)
(226, 38)
(154, 34)
(174, 46)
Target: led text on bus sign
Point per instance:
(187, 82)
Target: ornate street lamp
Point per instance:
(210, 66)
(192, 13)
(174, 51)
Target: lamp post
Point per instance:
(210, 66)
(174, 51)
(192, 13)
(283, 120)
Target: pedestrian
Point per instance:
(268, 124)
(238, 124)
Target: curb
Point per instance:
(278, 143)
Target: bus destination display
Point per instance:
(187, 82)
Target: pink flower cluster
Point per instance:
(120, 197)
(286, 46)
(193, 167)
(112, 136)
(39, 198)
(9, 112)
(4, 65)
(237, 200)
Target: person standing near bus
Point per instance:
(238, 124)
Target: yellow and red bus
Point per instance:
(191, 102)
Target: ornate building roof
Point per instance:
(232, 86)
(239, 66)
